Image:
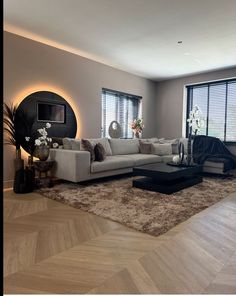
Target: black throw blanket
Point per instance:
(212, 149)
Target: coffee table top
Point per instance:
(165, 171)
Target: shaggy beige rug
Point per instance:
(150, 212)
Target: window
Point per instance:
(121, 107)
(217, 101)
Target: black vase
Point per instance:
(24, 181)
(29, 179)
(19, 184)
(189, 150)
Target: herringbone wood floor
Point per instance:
(53, 248)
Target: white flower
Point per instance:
(43, 139)
(55, 145)
(37, 142)
(27, 139)
(195, 119)
(42, 131)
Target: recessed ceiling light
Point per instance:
(187, 53)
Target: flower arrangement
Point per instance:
(41, 143)
(137, 126)
(43, 139)
(195, 120)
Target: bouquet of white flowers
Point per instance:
(43, 139)
(195, 120)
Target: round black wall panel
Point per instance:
(41, 107)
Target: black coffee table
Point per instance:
(165, 178)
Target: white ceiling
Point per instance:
(138, 36)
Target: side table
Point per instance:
(43, 168)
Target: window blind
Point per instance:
(121, 107)
(217, 101)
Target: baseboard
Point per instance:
(8, 184)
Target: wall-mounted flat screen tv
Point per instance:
(51, 112)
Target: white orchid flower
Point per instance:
(27, 139)
(48, 125)
(37, 142)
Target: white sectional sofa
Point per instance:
(73, 164)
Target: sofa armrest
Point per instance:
(71, 165)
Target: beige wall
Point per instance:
(31, 66)
(171, 99)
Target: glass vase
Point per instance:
(137, 135)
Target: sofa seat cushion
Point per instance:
(142, 159)
(124, 146)
(112, 163)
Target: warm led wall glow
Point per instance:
(19, 97)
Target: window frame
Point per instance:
(190, 101)
(120, 93)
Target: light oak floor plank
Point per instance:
(50, 247)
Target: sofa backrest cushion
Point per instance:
(105, 143)
(152, 140)
(124, 146)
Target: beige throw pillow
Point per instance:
(87, 146)
(161, 149)
(174, 143)
(75, 144)
(67, 143)
(145, 147)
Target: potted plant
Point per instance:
(13, 135)
(195, 123)
(137, 127)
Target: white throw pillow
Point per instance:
(174, 143)
(67, 143)
(161, 149)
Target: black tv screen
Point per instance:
(50, 112)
